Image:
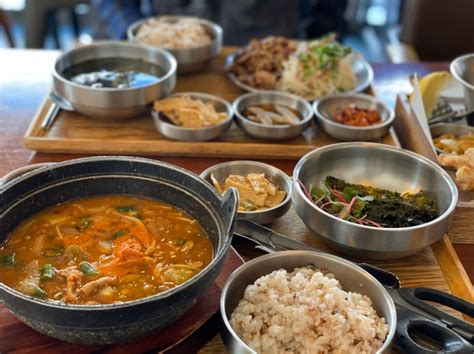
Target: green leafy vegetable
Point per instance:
(179, 242)
(9, 260)
(47, 272)
(53, 252)
(88, 269)
(126, 208)
(86, 221)
(118, 234)
(39, 293)
(323, 54)
(371, 206)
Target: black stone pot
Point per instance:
(105, 324)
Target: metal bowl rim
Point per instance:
(455, 73)
(287, 179)
(422, 159)
(216, 30)
(104, 307)
(169, 57)
(294, 253)
(447, 125)
(228, 107)
(280, 94)
(360, 87)
(362, 96)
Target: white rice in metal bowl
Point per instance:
(306, 311)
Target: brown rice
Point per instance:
(306, 311)
(186, 32)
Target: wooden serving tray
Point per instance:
(177, 338)
(73, 132)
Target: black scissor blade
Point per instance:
(269, 237)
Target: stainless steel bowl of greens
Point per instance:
(372, 200)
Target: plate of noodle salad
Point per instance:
(309, 69)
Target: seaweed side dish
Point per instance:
(370, 206)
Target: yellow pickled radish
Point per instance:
(431, 86)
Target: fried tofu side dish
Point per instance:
(255, 191)
(187, 112)
(464, 164)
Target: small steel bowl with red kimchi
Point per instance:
(353, 117)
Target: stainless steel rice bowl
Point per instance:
(190, 60)
(351, 277)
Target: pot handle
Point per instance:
(10, 176)
(229, 207)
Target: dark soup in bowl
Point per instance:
(119, 73)
(104, 249)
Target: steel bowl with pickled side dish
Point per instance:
(351, 277)
(452, 145)
(272, 132)
(379, 166)
(175, 132)
(118, 79)
(457, 130)
(194, 58)
(221, 171)
(327, 107)
(118, 322)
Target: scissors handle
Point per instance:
(436, 338)
(418, 296)
(427, 294)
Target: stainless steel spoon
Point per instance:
(57, 103)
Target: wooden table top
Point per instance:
(25, 79)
